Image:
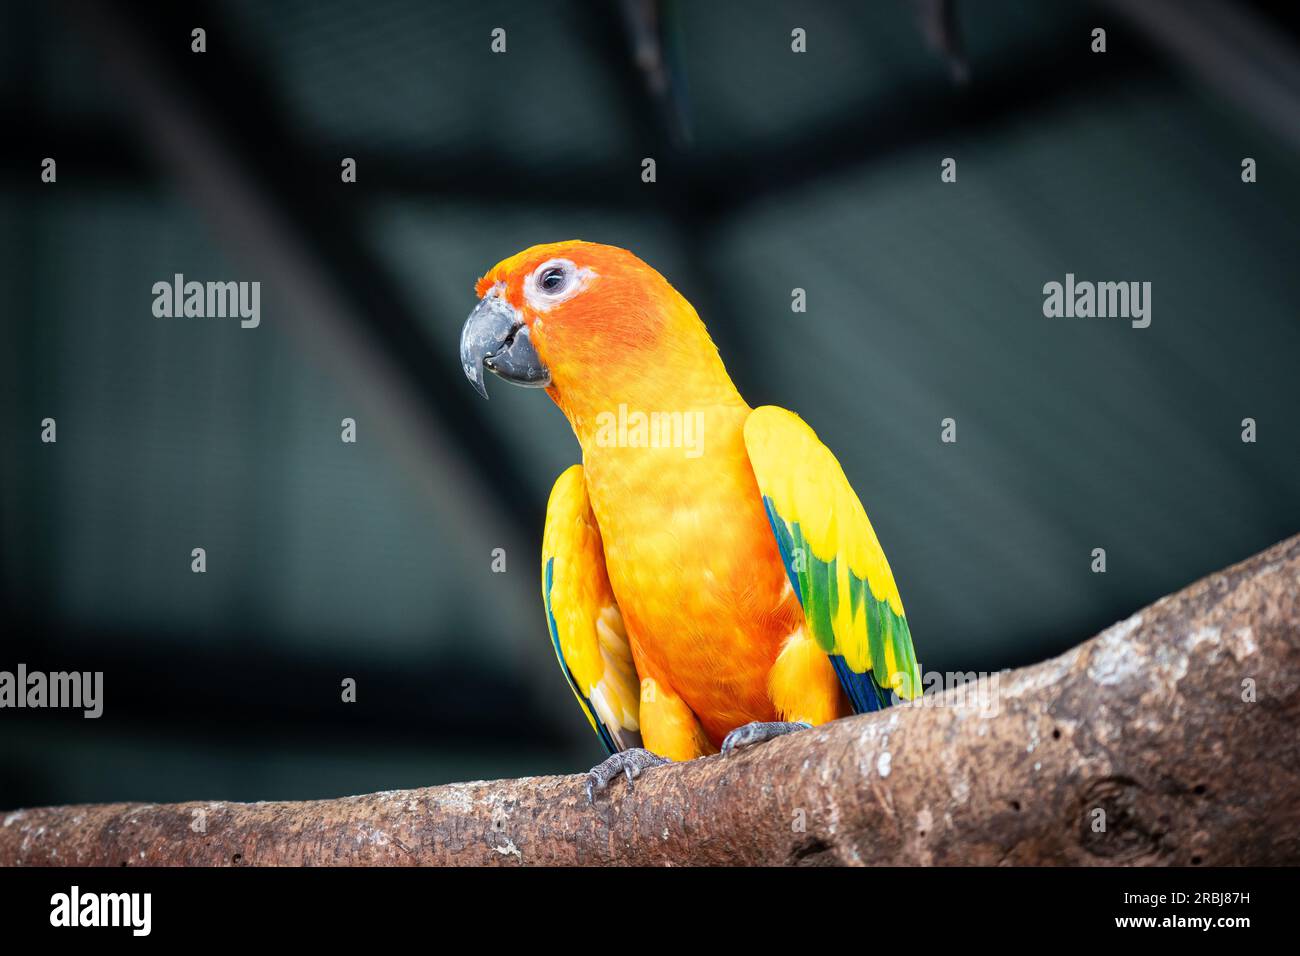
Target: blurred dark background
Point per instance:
(775, 170)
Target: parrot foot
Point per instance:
(629, 762)
(758, 732)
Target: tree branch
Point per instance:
(1170, 738)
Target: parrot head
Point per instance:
(591, 324)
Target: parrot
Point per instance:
(711, 580)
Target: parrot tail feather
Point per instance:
(862, 689)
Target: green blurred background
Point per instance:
(775, 170)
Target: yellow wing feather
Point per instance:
(583, 617)
(832, 554)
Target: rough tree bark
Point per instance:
(1170, 738)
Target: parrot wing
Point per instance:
(833, 559)
(585, 623)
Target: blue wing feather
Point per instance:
(863, 690)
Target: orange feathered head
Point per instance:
(592, 324)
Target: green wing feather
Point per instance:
(833, 559)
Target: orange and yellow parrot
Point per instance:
(709, 576)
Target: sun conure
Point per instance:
(709, 576)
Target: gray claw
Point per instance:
(759, 731)
(630, 763)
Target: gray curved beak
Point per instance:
(495, 338)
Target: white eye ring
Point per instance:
(571, 281)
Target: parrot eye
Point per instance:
(552, 280)
(555, 281)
